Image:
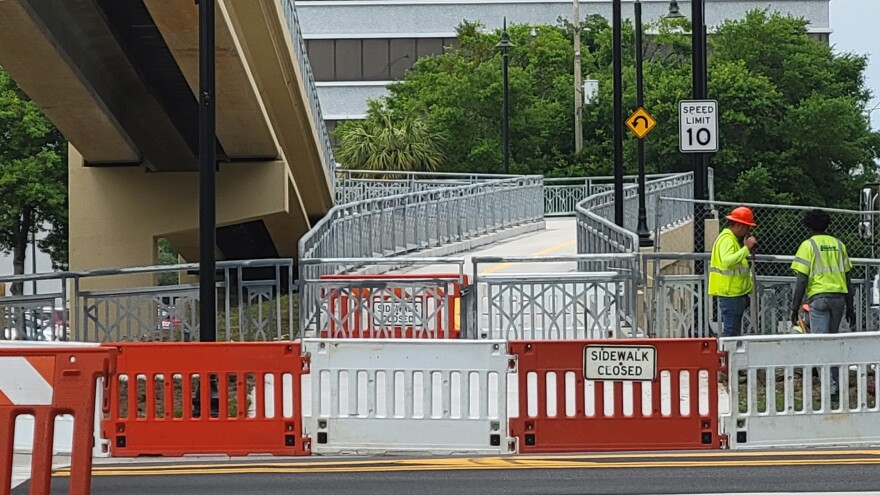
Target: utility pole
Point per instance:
(578, 81)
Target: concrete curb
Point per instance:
(459, 247)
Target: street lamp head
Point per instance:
(674, 12)
(504, 45)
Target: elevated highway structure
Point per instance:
(120, 80)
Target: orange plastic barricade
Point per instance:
(602, 395)
(202, 398)
(374, 306)
(46, 382)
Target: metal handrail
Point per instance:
(302, 58)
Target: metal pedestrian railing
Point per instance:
(305, 68)
(363, 185)
(254, 302)
(654, 295)
(596, 233)
(390, 226)
(561, 194)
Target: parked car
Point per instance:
(46, 324)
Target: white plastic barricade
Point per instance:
(400, 395)
(781, 390)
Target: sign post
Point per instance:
(698, 126)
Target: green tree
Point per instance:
(791, 109)
(167, 255)
(33, 179)
(400, 138)
(462, 91)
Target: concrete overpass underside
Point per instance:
(120, 78)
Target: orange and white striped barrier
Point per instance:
(26, 381)
(45, 382)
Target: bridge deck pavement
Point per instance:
(558, 238)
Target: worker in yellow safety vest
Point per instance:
(729, 279)
(822, 268)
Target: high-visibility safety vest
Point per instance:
(823, 259)
(729, 267)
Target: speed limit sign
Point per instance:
(698, 126)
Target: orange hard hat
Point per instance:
(742, 215)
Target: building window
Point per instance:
(370, 59)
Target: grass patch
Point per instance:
(775, 383)
(259, 321)
(172, 405)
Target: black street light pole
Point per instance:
(618, 112)
(207, 168)
(700, 91)
(505, 45)
(642, 229)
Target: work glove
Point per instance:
(851, 316)
(795, 315)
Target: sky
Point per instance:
(855, 25)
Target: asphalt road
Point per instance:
(652, 473)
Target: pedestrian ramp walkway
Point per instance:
(558, 238)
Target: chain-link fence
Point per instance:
(780, 228)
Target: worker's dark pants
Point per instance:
(732, 311)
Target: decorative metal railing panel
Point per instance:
(681, 306)
(34, 318)
(555, 306)
(254, 300)
(540, 305)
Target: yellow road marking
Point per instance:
(549, 250)
(470, 464)
(530, 457)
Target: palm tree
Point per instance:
(390, 140)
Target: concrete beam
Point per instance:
(267, 45)
(241, 124)
(118, 226)
(48, 77)
(81, 77)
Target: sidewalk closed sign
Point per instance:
(620, 362)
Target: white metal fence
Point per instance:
(391, 226)
(438, 397)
